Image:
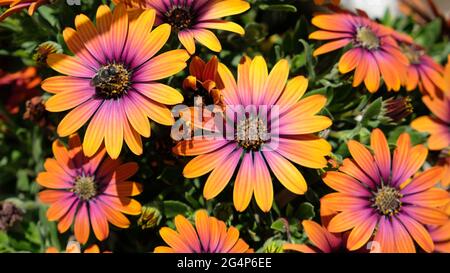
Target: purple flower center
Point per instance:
(412, 53)
(387, 200)
(179, 18)
(111, 81)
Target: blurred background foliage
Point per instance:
(275, 29)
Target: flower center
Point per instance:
(85, 187)
(251, 133)
(179, 18)
(387, 200)
(367, 38)
(413, 54)
(111, 81)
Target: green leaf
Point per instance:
(23, 183)
(309, 60)
(298, 61)
(372, 111)
(279, 225)
(306, 211)
(430, 33)
(32, 234)
(172, 208)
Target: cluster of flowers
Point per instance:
(111, 84)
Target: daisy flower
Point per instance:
(19, 5)
(376, 196)
(210, 235)
(190, 20)
(438, 124)
(423, 71)
(111, 80)
(372, 51)
(322, 240)
(87, 191)
(278, 131)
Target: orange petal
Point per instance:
(77, 117)
(69, 65)
(82, 227)
(262, 185)
(331, 46)
(276, 82)
(344, 183)
(361, 233)
(364, 159)
(186, 38)
(221, 175)
(173, 239)
(382, 155)
(417, 232)
(317, 235)
(294, 90)
(208, 39)
(187, 233)
(286, 172)
(243, 186)
(349, 60)
(258, 75)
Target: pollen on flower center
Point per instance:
(111, 81)
(251, 133)
(387, 200)
(366, 38)
(179, 18)
(412, 53)
(85, 187)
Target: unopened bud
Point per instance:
(394, 110)
(150, 217)
(43, 50)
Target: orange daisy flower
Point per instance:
(112, 78)
(373, 51)
(88, 191)
(210, 235)
(423, 71)
(19, 5)
(376, 197)
(261, 145)
(191, 19)
(322, 240)
(438, 125)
